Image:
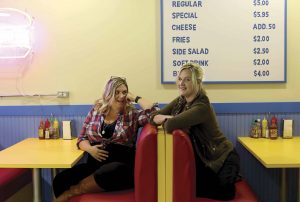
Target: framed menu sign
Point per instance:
(234, 41)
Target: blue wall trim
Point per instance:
(45, 110)
(82, 110)
(259, 107)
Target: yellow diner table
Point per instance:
(37, 154)
(278, 153)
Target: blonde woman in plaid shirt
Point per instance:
(108, 136)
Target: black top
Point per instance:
(107, 130)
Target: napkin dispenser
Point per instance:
(287, 128)
(67, 130)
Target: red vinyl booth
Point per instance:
(12, 180)
(184, 174)
(145, 174)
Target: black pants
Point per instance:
(221, 185)
(115, 173)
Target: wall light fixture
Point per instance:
(15, 33)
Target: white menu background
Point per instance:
(235, 41)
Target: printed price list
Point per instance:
(262, 62)
(233, 41)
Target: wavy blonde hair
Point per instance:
(197, 75)
(103, 105)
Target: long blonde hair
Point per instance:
(103, 105)
(197, 75)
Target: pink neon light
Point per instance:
(15, 33)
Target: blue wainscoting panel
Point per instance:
(20, 122)
(17, 127)
(265, 182)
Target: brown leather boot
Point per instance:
(87, 185)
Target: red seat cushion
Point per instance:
(12, 179)
(243, 193)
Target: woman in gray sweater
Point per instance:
(217, 162)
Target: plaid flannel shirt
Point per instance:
(127, 125)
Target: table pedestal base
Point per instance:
(298, 195)
(53, 174)
(36, 181)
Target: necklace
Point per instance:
(104, 127)
(107, 127)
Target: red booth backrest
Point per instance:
(145, 173)
(12, 180)
(184, 174)
(183, 168)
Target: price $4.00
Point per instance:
(261, 73)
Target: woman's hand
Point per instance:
(98, 153)
(144, 103)
(130, 97)
(160, 119)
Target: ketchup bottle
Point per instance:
(273, 129)
(47, 126)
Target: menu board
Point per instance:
(234, 41)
